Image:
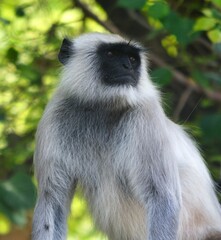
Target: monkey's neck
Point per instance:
(110, 107)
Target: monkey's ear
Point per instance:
(66, 51)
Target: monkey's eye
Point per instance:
(110, 53)
(132, 59)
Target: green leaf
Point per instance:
(162, 76)
(215, 35)
(5, 225)
(207, 12)
(217, 47)
(19, 11)
(3, 208)
(200, 78)
(217, 2)
(5, 21)
(211, 127)
(159, 10)
(19, 217)
(216, 14)
(18, 192)
(181, 27)
(12, 55)
(204, 23)
(2, 114)
(131, 4)
(215, 77)
(29, 72)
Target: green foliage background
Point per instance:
(31, 33)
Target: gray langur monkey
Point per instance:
(105, 129)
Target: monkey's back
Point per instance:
(200, 211)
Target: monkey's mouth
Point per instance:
(126, 79)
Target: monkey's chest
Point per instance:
(99, 144)
(106, 186)
(114, 209)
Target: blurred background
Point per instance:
(183, 39)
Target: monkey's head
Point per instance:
(105, 68)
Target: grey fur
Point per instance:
(141, 174)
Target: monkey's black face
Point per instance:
(119, 63)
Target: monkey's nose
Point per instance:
(126, 64)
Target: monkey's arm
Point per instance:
(163, 203)
(56, 186)
(163, 207)
(51, 211)
(159, 185)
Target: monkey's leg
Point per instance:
(158, 189)
(50, 215)
(163, 218)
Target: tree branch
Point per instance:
(187, 81)
(107, 25)
(182, 102)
